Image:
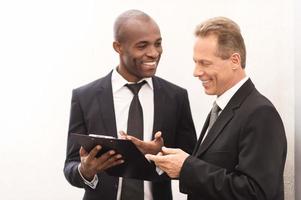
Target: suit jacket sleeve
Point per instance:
(76, 125)
(259, 170)
(185, 131)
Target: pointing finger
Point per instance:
(166, 150)
(155, 158)
(150, 157)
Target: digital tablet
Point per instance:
(135, 166)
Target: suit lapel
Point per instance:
(215, 130)
(159, 99)
(196, 148)
(106, 102)
(225, 117)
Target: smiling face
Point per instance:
(140, 50)
(217, 74)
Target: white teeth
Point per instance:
(149, 63)
(205, 81)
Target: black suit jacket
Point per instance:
(92, 111)
(243, 155)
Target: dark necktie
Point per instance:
(213, 115)
(132, 189)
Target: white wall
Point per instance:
(297, 98)
(47, 48)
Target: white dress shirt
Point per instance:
(122, 98)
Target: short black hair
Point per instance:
(123, 18)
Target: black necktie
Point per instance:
(132, 189)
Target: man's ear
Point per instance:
(117, 47)
(236, 60)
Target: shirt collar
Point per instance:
(118, 81)
(224, 99)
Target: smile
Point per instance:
(151, 64)
(205, 81)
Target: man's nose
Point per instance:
(198, 71)
(153, 52)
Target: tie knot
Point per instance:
(215, 108)
(135, 87)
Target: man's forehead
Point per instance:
(141, 29)
(136, 24)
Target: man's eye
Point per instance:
(158, 44)
(141, 47)
(204, 63)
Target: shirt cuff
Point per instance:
(159, 171)
(92, 184)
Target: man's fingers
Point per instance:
(135, 140)
(167, 151)
(160, 161)
(116, 162)
(82, 152)
(113, 161)
(160, 153)
(106, 156)
(150, 157)
(93, 152)
(155, 158)
(158, 135)
(123, 135)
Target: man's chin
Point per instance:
(208, 92)
(149, 73)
